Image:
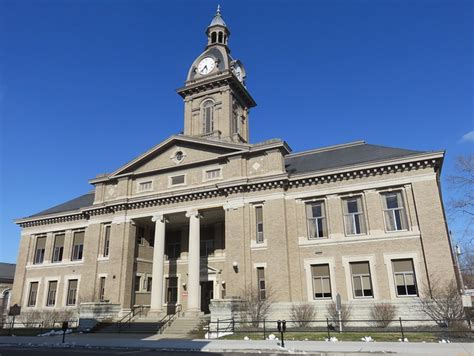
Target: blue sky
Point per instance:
(85, 86)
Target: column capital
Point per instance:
(159, 217)
(193, 212)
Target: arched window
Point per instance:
(220, 37)
(213, 37)
(208, 116)
(225, 39)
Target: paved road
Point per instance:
(77, 352)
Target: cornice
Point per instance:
(224, 189)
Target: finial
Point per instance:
(218, 9)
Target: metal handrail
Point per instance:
(167, 319)
(127, 319)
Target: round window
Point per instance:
(179, 156)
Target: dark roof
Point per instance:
(341, 156)
(7, 271)
(74, 204)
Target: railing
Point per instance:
(127, 319)
(329, 327)
(168, 319)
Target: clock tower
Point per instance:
(216, 100)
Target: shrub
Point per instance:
(303, 314)
(254, 309)
(442, 303)
(382, 314)
(333, 315)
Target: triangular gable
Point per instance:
(162, 155)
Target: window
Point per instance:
(51, 298)
(207, 248)
(105, 252)
(141, 235)
(404, 275)
(213, 174)
(102, 289)
(39, 250)
(213, 37)
(354, 221)
(394, 211)
(316, 220)
(145, 186)
(321, 281)
(171, 289)
(149, 284)
(208, 116)
(78, 246)
(71, 292)
(33, 293)
(361, 282)
(173, 250)
(58, 248)
(235, 122)
(259, 223)
(176, 180)
(138, 285)
(262, 293)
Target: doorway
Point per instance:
(207, 293)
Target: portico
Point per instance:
(183, 245)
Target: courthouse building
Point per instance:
(205, 215)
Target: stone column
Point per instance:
(156, 304)
(193, 262)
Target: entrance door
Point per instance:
(207, 293)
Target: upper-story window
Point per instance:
(39, 250)
(208, 116)
(145, 186)
(394, 211)
(214, 173)
(259, 224)
(77, 246)
(316, 220)
(58, 247)
(178, 180)
(106, 241)
(354, 221)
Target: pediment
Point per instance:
(167, 154)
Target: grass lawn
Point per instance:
(349, 336)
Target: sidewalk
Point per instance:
(140, 342)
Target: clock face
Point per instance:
(206, 65)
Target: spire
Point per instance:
(217, 32)
(218, 20)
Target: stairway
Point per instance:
(138, 326)
(183, 328)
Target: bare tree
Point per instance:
(466, 262)
(256, 304)
(444, 305)
(303, 314)
(383, 314)
(333, 314)
(463, 182)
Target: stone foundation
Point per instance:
(92, 313)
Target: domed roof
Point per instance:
(218, 20)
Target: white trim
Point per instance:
(388, 257)
(307, 262)
(212, 168)
(26, 292)
(46, 289)
(141, 181)
(304, 242)
(346, 260)
(63, 263)
(260, 264)
(65, 289)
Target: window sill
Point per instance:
(101, 259)
(258, 245)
